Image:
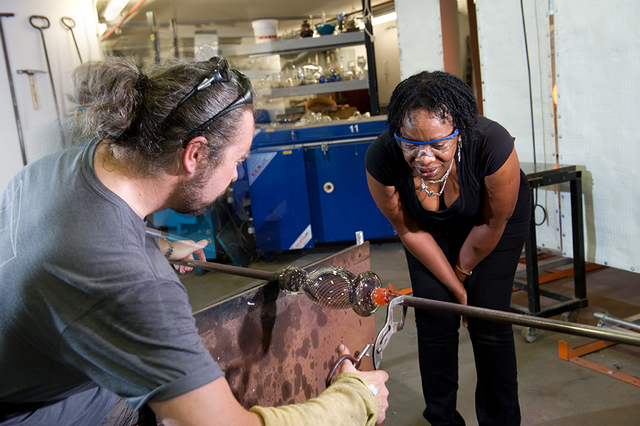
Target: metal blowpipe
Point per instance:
(337, 288)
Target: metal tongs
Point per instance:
(390, 327)
(355, 360)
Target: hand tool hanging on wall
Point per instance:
(13, 92)
(32, 20)
(32, 83)
(71, 24)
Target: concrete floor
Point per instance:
(552, 391)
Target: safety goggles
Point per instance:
(413, 148)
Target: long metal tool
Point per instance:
(391, 326)
(71, 24)
(33, 19)
(13, 92)
(233, 270)
(210, 266)
(606, 320)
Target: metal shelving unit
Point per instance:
(310, 44)
(313, 89)
(298, 45)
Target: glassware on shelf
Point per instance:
(305, 29)
(289, 76)
(276, 80)
(350, 73)
(362, 63)
(309, 73)
(334, 68)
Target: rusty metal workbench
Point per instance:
(277, 349)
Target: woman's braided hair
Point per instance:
(438, 92)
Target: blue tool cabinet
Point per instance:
(307, 185)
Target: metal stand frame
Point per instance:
(538, 179)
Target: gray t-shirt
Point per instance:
(86, 296)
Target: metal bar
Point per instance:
(229, 269)
(13, 93)
(174, 30)
(579, 268)
(129, 13)
(531, 249)
(371, 59)
(153, 35)
(618, 336)
(607, 320)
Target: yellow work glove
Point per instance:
(347, 402)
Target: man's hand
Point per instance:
(184, 250)
(375, 379)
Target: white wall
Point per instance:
(596, 61)
(25, 51)
(387, 59)
(419, 36)
(512, 89)
(596, 57)
(597, 67)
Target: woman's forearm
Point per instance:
(481, 241)
(423, 247)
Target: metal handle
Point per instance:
(354, 360)
(64, 20)
(32, 17)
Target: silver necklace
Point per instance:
(444, 180)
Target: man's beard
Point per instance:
(186, 197)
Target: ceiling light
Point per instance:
(384, 18)
(113, 9)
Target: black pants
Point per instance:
(490, 286)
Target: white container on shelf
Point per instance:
(265, 30)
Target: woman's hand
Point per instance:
(461, 298)
(375, 379)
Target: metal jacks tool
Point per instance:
(384, 296)
(390, 327)
(13, 92)
(41, 23)
(32, 83)
(71, 24)
(367, 351)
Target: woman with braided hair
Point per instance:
(450, 183)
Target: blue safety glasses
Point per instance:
(412, 148)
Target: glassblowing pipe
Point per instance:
(337, 288)
(330, 287)
(383, 296)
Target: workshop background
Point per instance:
(559, 75)
(526, 49)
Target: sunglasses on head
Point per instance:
(220, 74)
